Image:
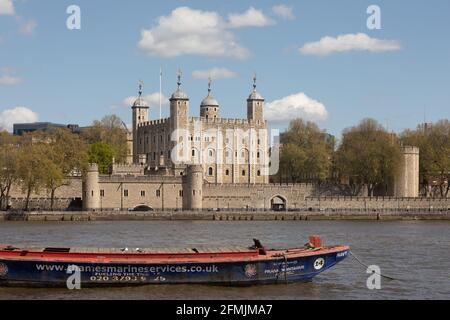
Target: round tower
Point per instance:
(209, 108)
(91, 188)
(194, 187)
(407, 180)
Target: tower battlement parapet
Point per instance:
(154, 122)
(410, 150)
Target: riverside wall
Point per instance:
(232, 215)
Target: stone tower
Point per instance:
(209, 107)
(140, 115)
(179, 107)
(255, 105)
(406, 184)
(91, 190)
(194, 187)
(179, 120)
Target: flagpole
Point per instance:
(160, 91)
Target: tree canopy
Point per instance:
(368, 156)
(306, 152)
(434, 164)
(109, 130)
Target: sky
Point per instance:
(317, 60)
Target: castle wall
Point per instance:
(71, 188)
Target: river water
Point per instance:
(417, 253)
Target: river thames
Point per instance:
(417, 253)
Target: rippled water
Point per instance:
(418, 253)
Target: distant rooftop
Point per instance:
(23, 128)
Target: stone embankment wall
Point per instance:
(376, 203)
(63, 216)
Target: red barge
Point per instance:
(110, 267)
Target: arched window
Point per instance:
(243, 172)
(259, 173)
(227, 172)
(210, 171)
(193, 152)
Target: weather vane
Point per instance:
(180, 73)
(209, 85)
(141, 85)
(254, 81)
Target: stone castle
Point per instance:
(206, 162)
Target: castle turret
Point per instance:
(209, 108)
(194, 187)
(406, 184)
(179, 106)
(255, 105)
(91, 189)
(140, 115)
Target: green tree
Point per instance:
(306, 152)
(67, 154)
(110, 130)
(368, 156)
(102, 154)
(434, 144)
(32, 163)
(8, 166)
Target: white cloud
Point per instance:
(17, 115)
(250, 18)
(8, 80)
(28, 27)
(284, 11)
(214, 73)
(6, 7)
(151, 99)
(298, 105)
(349, 42)
(190, 31)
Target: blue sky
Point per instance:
(397, 75)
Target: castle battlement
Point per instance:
(410, 150)
(221, 120)
(153, 122)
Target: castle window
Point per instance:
(168, 154)
(210, 153)
(259, 173)
(227, 172)
(142, 193)
(258, 155)
(102, 193)
(243, 173)
(210, 171)
(193, 152)
(158, 193)
(125, 193)
(180, 193)
(259, 141)
(193, 192)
